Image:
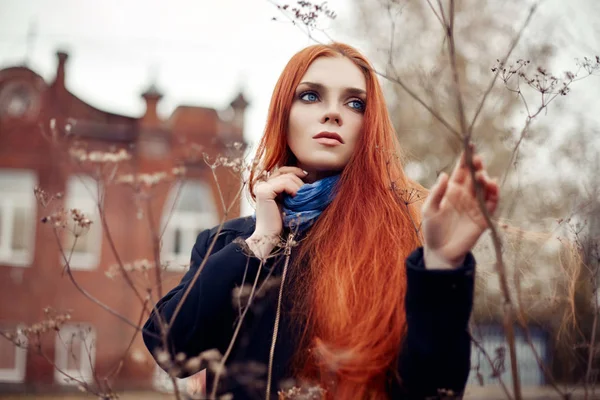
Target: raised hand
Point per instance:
(452, 219)
(269, 223)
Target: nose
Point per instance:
(332, 114)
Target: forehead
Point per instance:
(335, 72)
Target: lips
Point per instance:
(329, 135)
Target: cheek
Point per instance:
(294, 124)
(298, 125)
(295, 130)
(355, 127)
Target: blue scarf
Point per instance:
(302, 210)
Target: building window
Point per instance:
(74, 353)
(492, 339)
(13, 359)
(190, 209)
(17, 216)
(82, 246)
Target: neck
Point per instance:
(315, 175)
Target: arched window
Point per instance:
(82, 194)
(17, 216)
(190, 209)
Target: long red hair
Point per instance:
(354, 282)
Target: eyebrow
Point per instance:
(350, 90)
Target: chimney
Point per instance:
(152, 96)
(239, 105)
(62, 57)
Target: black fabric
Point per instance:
(435, 354)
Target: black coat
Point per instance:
(435, 353)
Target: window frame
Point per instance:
(87, 358)
(83, 261)
(8, 203)
(189, 223)
(18, 373)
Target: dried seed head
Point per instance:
(163, 358)
(193, 364)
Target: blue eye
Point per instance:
(358, 105)
(309, 96)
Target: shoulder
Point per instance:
(239, 226)
(225, 233)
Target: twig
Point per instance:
(495, 371)
(200, 267)
(506, 56)
(235, 333)
(87, 294)
(399, 82)
(508, 307)
(155, 249)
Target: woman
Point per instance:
(362, 309)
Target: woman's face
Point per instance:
(327, 115)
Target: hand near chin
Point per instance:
(452, 219)
(269, 222)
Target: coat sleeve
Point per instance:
(206, 318)
(437, 348)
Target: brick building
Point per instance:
(39, 122)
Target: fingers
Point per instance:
(437, 194)
(284, 182)
(492, 195)
(462, 176)
(288, 170)
(491, 190)
(461, 170)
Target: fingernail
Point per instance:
(305, 173)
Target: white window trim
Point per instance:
(84, 261)
(16, 374)
(187, 222)
(62, 354)
(8, 255)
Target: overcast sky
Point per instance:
(202, 52)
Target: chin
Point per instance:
(324, 165)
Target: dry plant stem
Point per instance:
(508, 53)
(80, 382)
(89, 357)
(69, 348)
(115, 253)
(155, 249)
(236, 332)
(592, 349)
(501, 270)
(85, 292)
(119, 364)
(530, 117)
(523, 322)
(435, 13)
(162, 232)
(399, 82)
(494, 370)
(288, 249)
(225, 208)
(513, 154)
(457, 89)
(176, 392)
(392, 36)
(508, 307)
(416, 97)
(201, 266)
